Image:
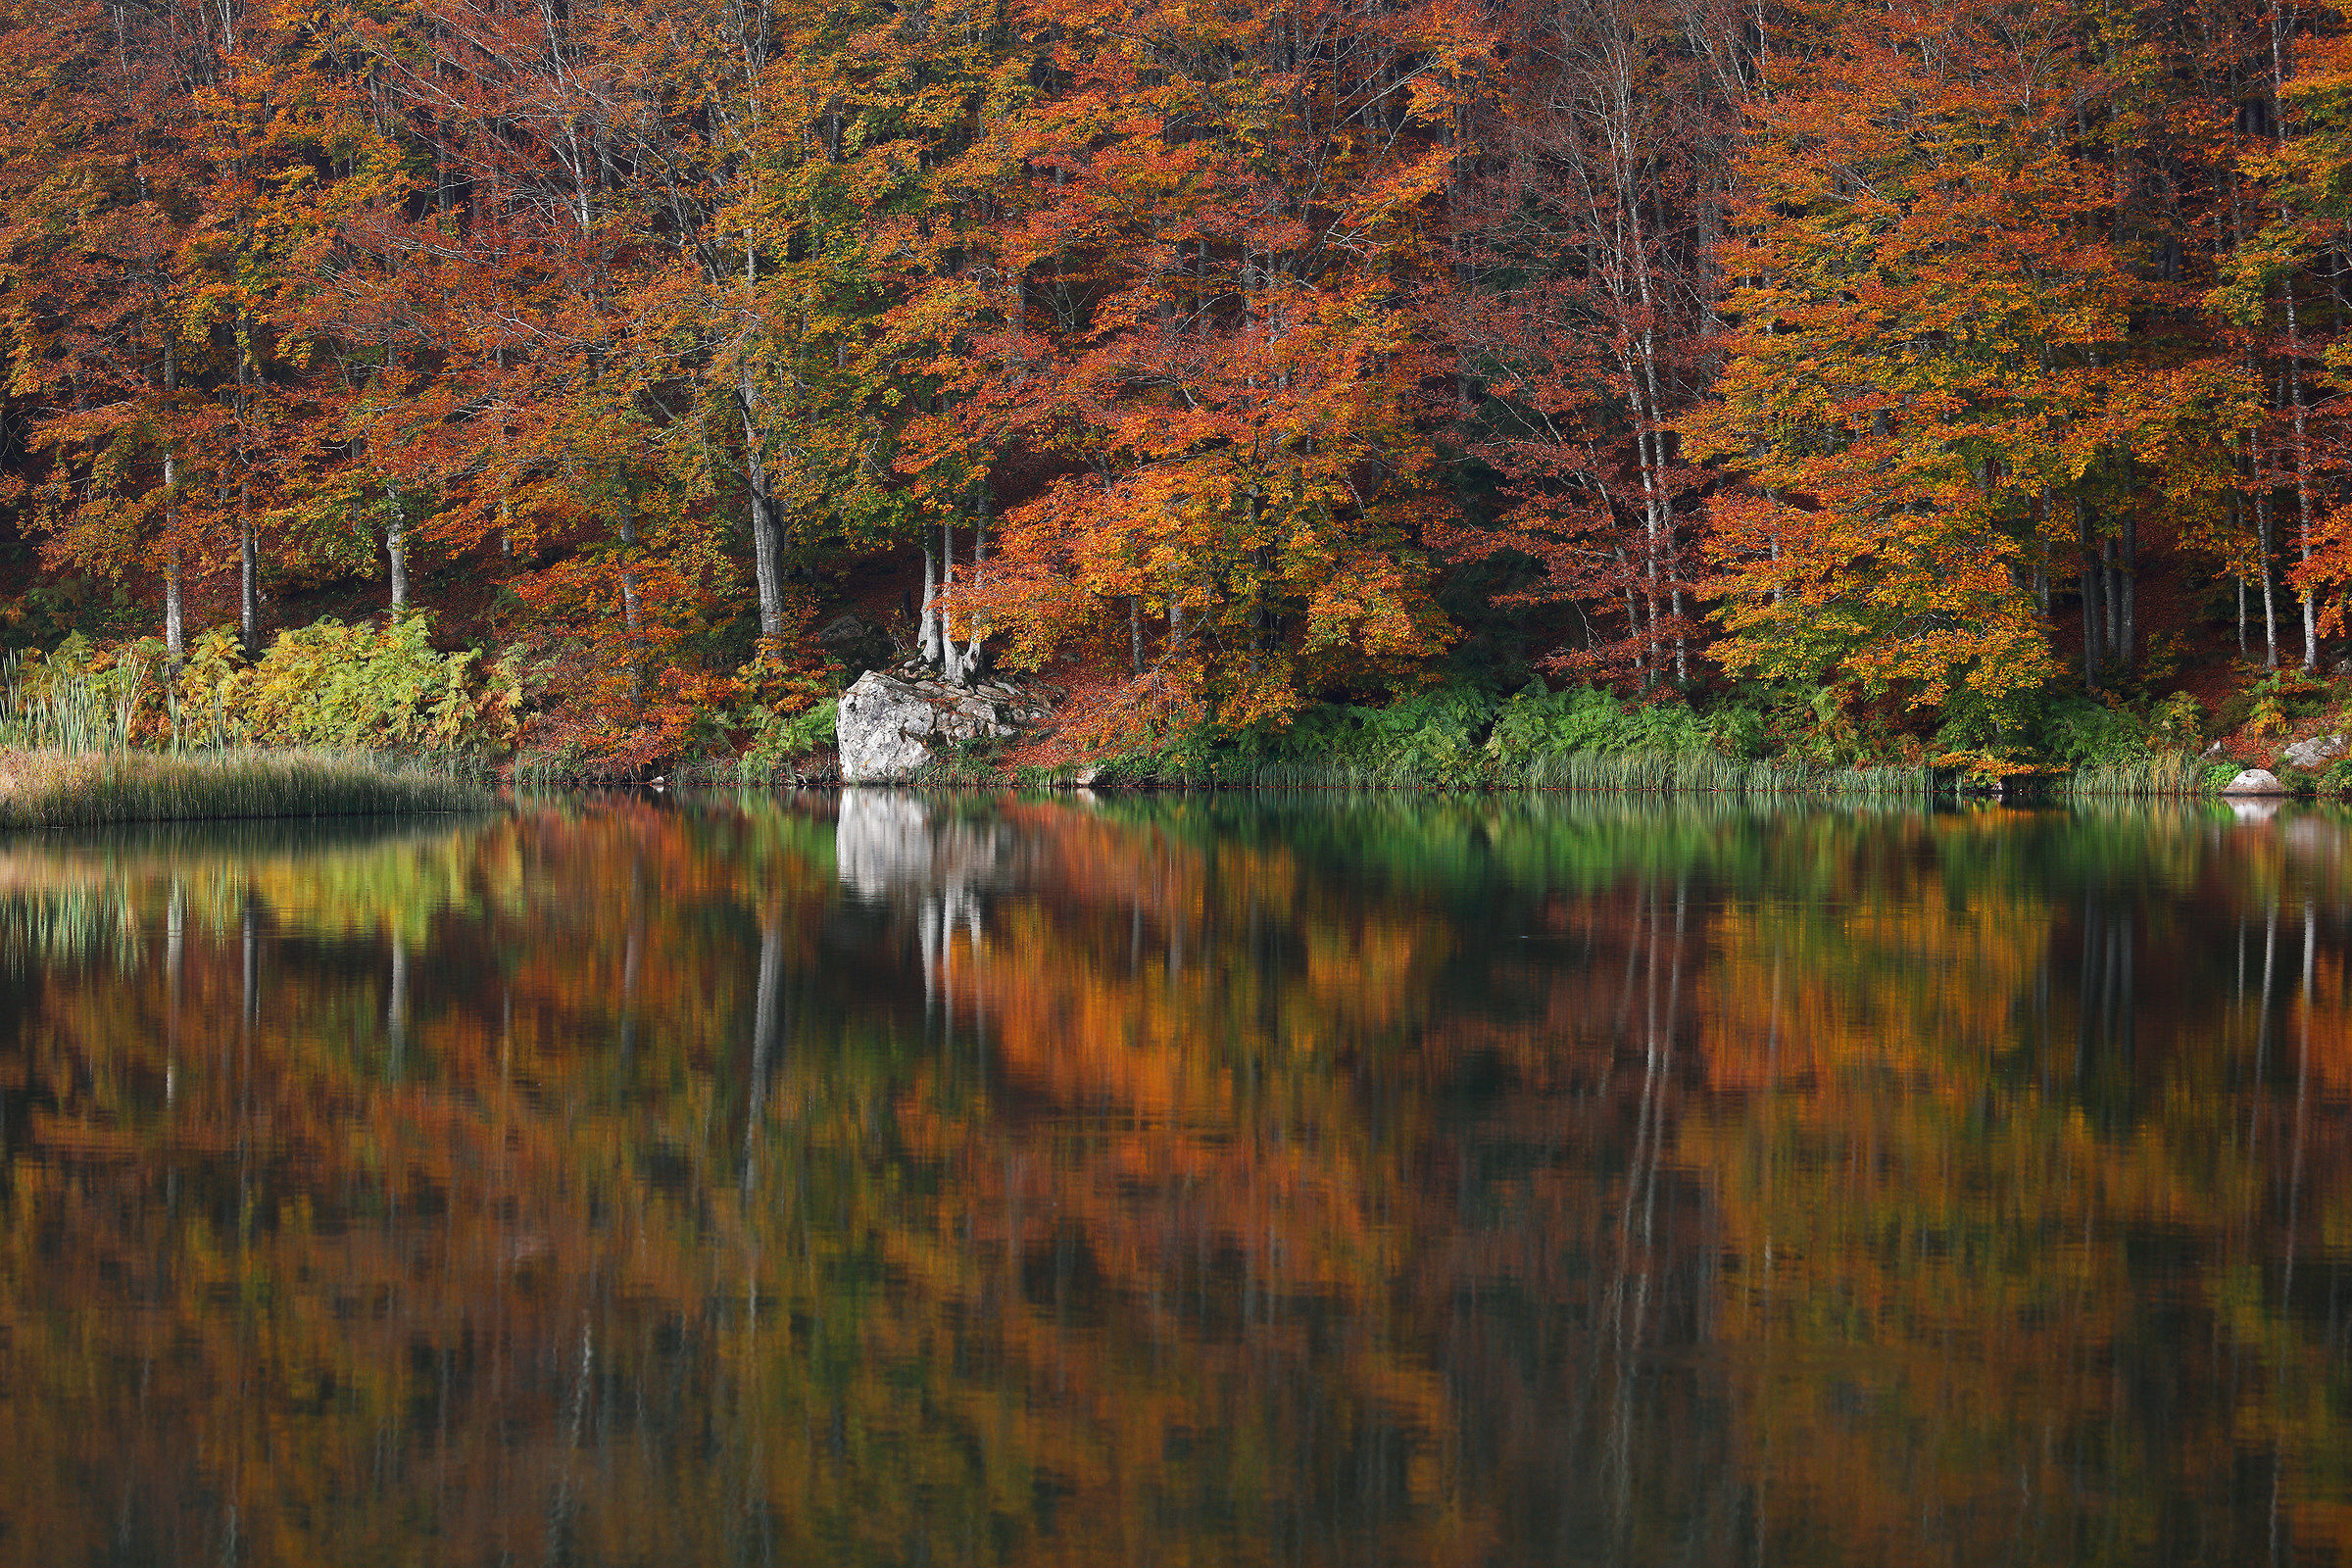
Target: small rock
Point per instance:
(842, 630)
(1085, 777)
(2317, 752)
(2255, 782)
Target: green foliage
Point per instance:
(781, 740)
(370, 686)
(66, 702)
(1582, 718)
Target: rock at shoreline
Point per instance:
(893, 722)
(2317, 752)
(2255, 782)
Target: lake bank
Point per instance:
(55, 789)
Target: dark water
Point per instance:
(878, 1180)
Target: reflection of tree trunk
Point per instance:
(763, 1031)
(176, 923)
(2294, 1177)
(396, 1009)
(633, 944)
(1628, 1296)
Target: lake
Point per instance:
(880, 1178)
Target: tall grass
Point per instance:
(2161, 773)
(52, 788)
(1695, 772)
(75, 713)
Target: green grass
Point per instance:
(1693, 772)
(2162, 774)
(56, 789)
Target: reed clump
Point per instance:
(51, 788)
(2162, 774)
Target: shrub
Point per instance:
(370, 686)
(780, 739)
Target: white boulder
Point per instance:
(891, 722)
(2317, 752)
(2255, 782)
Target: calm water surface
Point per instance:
(879, 1179)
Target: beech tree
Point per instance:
(1935, 397)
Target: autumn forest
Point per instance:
(1215, 360)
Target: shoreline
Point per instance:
(46, 788)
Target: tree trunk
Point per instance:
(2127, 650)
(950, 656)
(2263, 531)
(927, 636)
(971, 652)
(396, 548)
(2091, 578)
(249, 591)
(767, 574)
(629, 611)
(176, 628)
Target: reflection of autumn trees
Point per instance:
(1235, 1181)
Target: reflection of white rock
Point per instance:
(2314, 838)
(890, 844)
(2254, 807)
(881, 841)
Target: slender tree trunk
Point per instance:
(175, 626)
(2110, 584)
(249, 590)
(2280, 40)
(2303, 498)
(971, 652)
(630, 615)
(2091, 578)
(2263, 531)
(928, 634)
(767, 571)
(2127, 650)
(396, 548)
(950, 656)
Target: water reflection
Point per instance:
(880, 1178)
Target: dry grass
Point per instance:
(52, 789)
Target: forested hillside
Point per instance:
(1930, 362)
